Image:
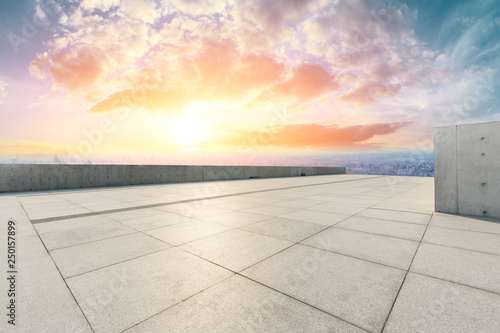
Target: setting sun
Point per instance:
(187, 132)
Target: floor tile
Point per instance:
(269, 210)
(395, 215)
(357, 291)
(59, 239)
(154, 221)
(477, 241)
(42, 293)
(472, 268)
(185, 232)
(385, 250)
(241, 305)
(70, 260)
(134, 213)
(466, 223)
(429, 305)
(119, 296)
(312, 216)
(69, 224)
(236, 249)
(236, 219)
(290, 230)
(338, 208)
(297, 204)
(384, 227)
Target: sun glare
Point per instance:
(187, 132)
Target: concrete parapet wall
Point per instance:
(38, 177)
(467, 169)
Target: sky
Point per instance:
(204, 80)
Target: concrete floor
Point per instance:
(343, 253)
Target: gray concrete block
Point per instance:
(37, 177)
(474, 140)
(445, 169)
(467, 169)
(177, 173)
(479, 192)
(194, 173)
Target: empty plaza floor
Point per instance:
(340, 253)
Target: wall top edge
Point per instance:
(177, 165)
(470, 124)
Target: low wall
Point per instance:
(467, 169)
(38, 177)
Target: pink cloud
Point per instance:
(313, 135)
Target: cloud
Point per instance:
(141, 10)
(29, 147)
(307, 81)
(261, 54)
(313, 135)
(103, 5)
(138, 98)
(369, 92)
(3, 89)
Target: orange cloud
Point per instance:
(151, 100)
(308, 81)
(369, 92)
(219, 72)
(313, 135)
(26, 147)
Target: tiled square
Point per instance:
(51, 213)
(487, 225)
(312, 216)
(384, 227)
(69, 224)
(338, 208)
(41, 292)
(480, 270)
(395, 215)
(90, 256)
(185, 232)
(269, 210)
(430, 305)
(236, 219)
(119, 296)
(59, 239)
(290, 230)
(385, 250)
(133, 213)
(154, 221)
(194, 209)
(469, 240)
(354, 290)
(241, 305)
(297, 204)
(236, 249)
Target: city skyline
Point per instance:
(233, 80)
